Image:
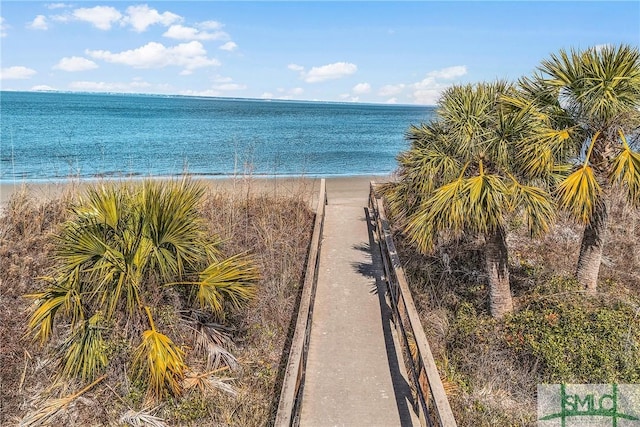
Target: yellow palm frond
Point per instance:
(229, 280)
(56, 297)
(625, 170)
(104, 204)
(160, 361)
(579, 193)
(537, 206)
(442, 211)
(486, 202)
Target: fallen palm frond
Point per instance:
(211, 340)
(207, 382)
(52, 407)
(142, 418)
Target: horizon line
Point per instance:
(222, 98)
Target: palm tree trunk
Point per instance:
(591, 248)
(496, 259)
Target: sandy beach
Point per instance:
(343, 186)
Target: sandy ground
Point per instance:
(340, 187)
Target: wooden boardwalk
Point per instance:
(354, 374)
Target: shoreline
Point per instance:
(342, 186)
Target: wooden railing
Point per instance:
(293, 383)
(430, 399)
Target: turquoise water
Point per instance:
(59, 135)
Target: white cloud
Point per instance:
(333, 71)
(229, 46)
(101, 17)
(75, 63)
(17, 73)
(210, 25)
(221, 90)
(428, 90)
(3, 27)
(391, 90)
(295, 67)
(348, 98)
(361, 88)
(427, 96)
(57, 6)
(189, 56)
(180, 32)
(141, 17)
(284, 94)
(62, 18)
(226, 87)
(42, 88)
(449, 73)
(207, 93)
(88, 86)
(221, 79)
(391, 101)
(38, 23)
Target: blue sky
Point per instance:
(380, 52)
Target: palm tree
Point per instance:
(587, 103)
(126, 249)
(462, 175)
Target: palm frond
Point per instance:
(212, 340)
(59, 296)
(142, 418)
(486, 202)
(162, 362)
(208, 381)
(537, 206)
(625, 171)
(579, 193)
(444, 210)
(52, 407)
(104, 205)
(85, 350)
(173, 225)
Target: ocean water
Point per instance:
(49, 136)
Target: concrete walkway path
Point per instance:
(354, 376)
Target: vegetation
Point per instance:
(117, 260)
(586, 102)
(462, 175)
(556, 333)
(568, 135)
(230, 370)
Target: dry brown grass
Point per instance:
(273, 228)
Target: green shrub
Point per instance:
(119, 259)
(577, 339)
